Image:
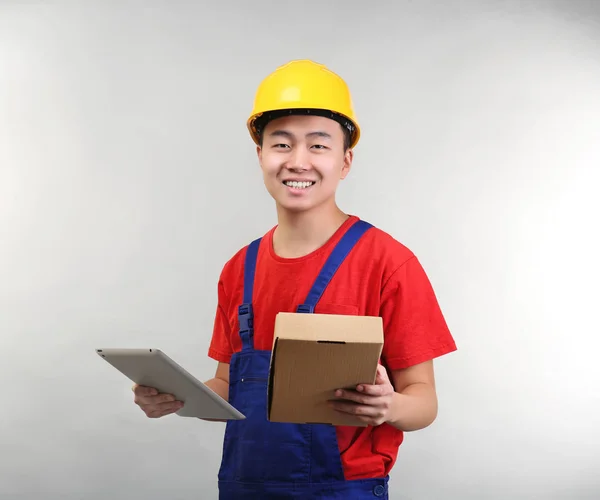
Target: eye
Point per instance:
(281, 146)
(319, 146)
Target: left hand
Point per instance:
(370, 403)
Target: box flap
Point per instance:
(329, 327)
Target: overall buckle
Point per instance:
(305, 308)
(246, 319)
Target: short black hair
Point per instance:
(348, 127)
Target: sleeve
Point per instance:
(415, 329)
(220, 347)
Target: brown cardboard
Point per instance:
(315, 354)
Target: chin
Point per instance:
(297, 207)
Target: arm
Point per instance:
(415, 333)
(414, 403)
(219, 384)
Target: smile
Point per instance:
(298, 184)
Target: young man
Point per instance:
(305, 130)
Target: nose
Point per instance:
(298, 160)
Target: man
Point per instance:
(305, 129)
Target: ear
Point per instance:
(259, 154)
(348, 157)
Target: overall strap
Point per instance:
(245, 311)
(339, 253)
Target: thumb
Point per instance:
(382, 376)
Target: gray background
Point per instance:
(127, 179)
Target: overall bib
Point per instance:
(265, 460)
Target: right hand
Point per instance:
(154, 404)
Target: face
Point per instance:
(303, 160)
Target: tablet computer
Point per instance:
(153, 368)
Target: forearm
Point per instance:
(220, 387)
(414, 408)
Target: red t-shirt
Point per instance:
(379, 277)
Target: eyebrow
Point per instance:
(285, 133)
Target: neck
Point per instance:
(300, 233)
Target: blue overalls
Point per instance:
(265, 460)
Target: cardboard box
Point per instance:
(315, 354)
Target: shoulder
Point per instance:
(386, 250)
(399, 268)
(386, 244)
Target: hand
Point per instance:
(370, 403)
(153, 404)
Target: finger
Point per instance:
(382, 375)
(141, 390)
(357, 397)
(160, 413)
(381, 387)
(154, 400)
(363, 411)
(371, 390)
(162, 409)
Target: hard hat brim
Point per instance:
(345, 121)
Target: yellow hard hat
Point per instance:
(299, 87)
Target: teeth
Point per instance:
(298, 185)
